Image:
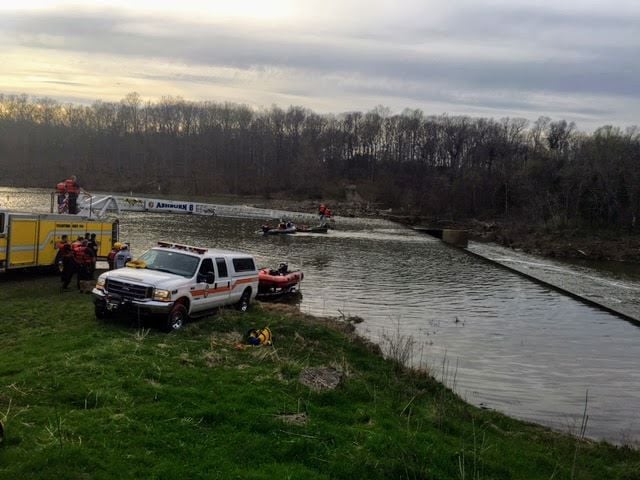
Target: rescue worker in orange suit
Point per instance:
(324, 213)
(83, 256)
(72, 187)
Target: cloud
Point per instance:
(492, 58)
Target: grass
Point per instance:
(82, 399)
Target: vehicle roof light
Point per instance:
(180, 246)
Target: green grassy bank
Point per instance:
(82, 399)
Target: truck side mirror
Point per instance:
(208, 277)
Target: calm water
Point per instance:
(509, 344)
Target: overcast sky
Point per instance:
(577, 60)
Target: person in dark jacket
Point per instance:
(69, 266)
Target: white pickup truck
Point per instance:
(178, 282)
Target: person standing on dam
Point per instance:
(72, 188)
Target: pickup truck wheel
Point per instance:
(245, 299)
(176, 318)
(101, 311)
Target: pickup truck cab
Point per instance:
(178, 282)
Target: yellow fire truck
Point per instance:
(30, 239)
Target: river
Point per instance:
(501, 341)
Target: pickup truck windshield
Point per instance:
(171, 262)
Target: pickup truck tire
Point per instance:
(101, 311)
(176, 318)
(245, 299)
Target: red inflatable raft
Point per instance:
(273, 283)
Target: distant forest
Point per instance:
(545, 172)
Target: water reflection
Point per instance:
(510, 344)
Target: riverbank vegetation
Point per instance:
(544, 173)
(85, 399)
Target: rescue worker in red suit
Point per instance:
(63, 256)
(72, 187)
(72, 264)
(84, 257)
(324, 213)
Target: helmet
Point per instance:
(117, 245)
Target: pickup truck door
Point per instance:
(210, 290)
(202, 291)
(224, 281)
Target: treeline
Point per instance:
(444, 166)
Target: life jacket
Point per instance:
(260, 337)
(78, 252)
(82, 255)
(71, 186)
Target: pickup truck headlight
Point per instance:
(100, 283)
(161, 295)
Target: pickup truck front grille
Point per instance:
(128, 291)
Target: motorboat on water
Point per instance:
(282, 228)
(273, 283)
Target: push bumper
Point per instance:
(114, 303)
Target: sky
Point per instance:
(566, 59)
